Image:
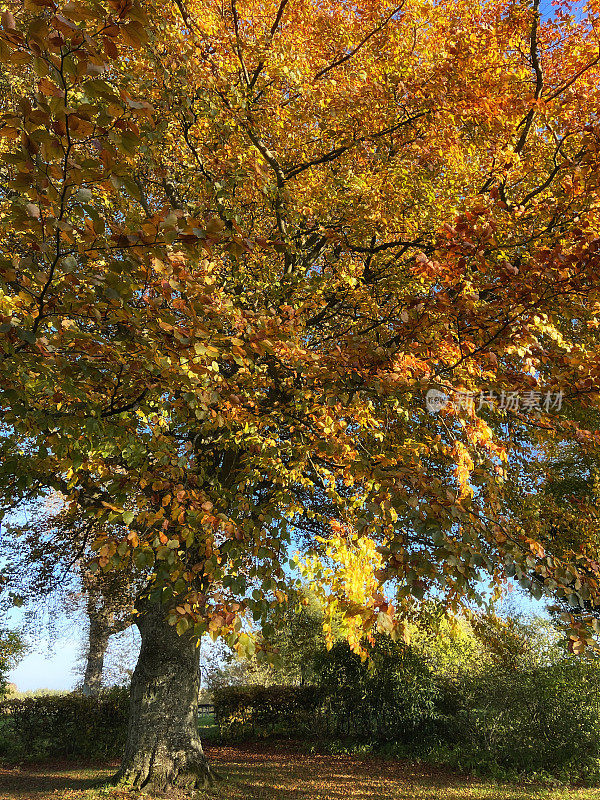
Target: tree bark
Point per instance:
(109, 610)
(98, 637)
(163, 749)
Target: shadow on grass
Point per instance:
(40, 780)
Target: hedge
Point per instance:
(64, 725)
(507, 723)
(260, 710)
(315, 711)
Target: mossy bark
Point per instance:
(163, 749)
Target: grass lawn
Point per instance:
(278, 772)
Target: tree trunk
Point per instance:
(163, 749)
(97, 644)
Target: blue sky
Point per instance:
(56, 663)
(53, 655)
(49, 667)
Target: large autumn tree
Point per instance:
(238, 244)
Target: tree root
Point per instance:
(171, 780)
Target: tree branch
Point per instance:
(539, 77)
(359, 46)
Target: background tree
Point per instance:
(48, 561)
(556, 497)
(109, 609)
(12, 649)
(295, 636)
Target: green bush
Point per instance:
(395, 697)
(67, 725)
(511, 717)
(524, 721)
(242, 711)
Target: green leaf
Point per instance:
(182, 625)
(27, 336)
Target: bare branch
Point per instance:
(238, 46)
(572, 80)
(338, 151)
(359, 46)
(272, 33)
(539, 77)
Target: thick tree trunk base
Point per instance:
(171, 773)
(163, 753)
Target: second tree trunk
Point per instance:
(98, 637)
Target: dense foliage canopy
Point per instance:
(238, 245)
